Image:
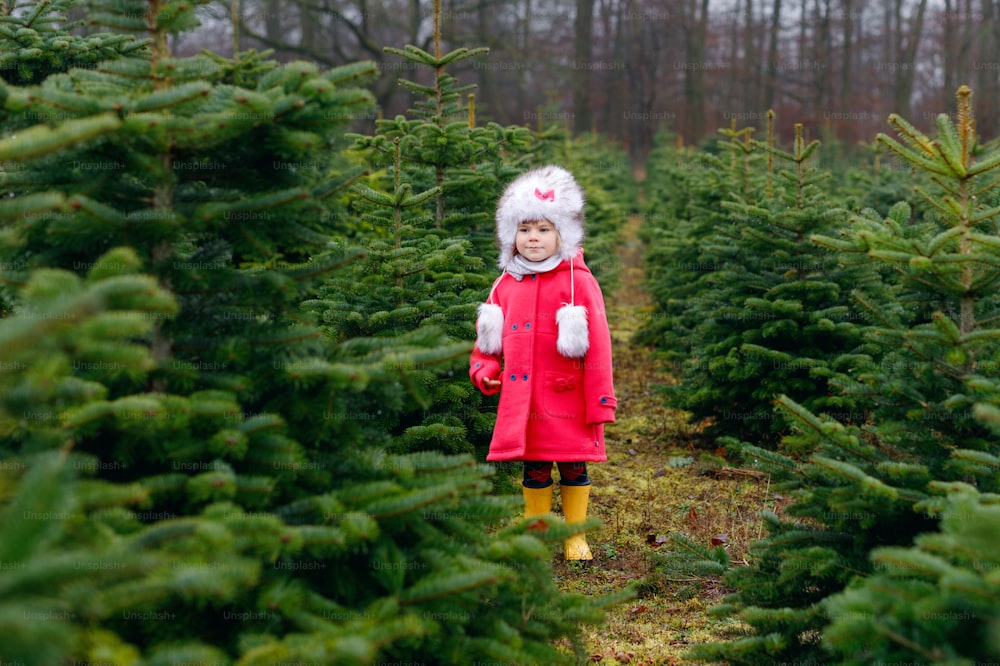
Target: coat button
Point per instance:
(525, 377)
(513, 378)
(478, 364)
(513, 327)
(527, 324)
(604, 401)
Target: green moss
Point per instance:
(638, 495)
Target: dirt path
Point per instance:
(652, 486)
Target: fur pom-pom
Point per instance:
(574, 333)
(489, 329)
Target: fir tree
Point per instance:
(428, 240)
(71, 548)
(879, 183)
(37, 40)
(773, 313)
(443, 145)
(935, 602)
(683, 192)
(230, 447)
(868, 499)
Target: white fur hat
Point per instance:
(549, 193)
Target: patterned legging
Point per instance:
(538, 474)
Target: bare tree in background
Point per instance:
(954, 47)
(969, 52)
(847, 49)
(818, 67)
(583, 35)
(693, 16)
(607, 63)
(771, 71)
(986, 67)
(900, 62)
(332, 32)
(614, 89)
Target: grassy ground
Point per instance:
(654, 485)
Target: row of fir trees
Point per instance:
(235, 425)
(841, 334)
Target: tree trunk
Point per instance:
(582, 63)
(848, 53)
(632, 51)
(889, 37)
(735, 55)
(525, 49)
(414, 21)
(803, 22)
(817, 67)
(963, 63)
(771, 71)
(985, 72)
(908, 38)
(750, 75)
(488, 83)
(307, 23)
(272, 22)
(614, 103)
(694, 73)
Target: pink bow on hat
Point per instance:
(545, 196)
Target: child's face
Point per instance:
(536, 240)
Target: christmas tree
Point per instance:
(239, 486)
(864, 566)
(38, 40)
(430, 247)
(684, 190)
(428, 240)
(771, 312)
(72, 548)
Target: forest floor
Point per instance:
(654, 485)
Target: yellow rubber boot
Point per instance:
(574, 501)
(537, 501)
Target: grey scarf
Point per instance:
(519, 266)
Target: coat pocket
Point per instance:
(562, 396)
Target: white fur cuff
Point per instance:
(574, 334)
(489, 329)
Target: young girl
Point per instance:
(543, 343)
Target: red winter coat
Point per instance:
(552, 408)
